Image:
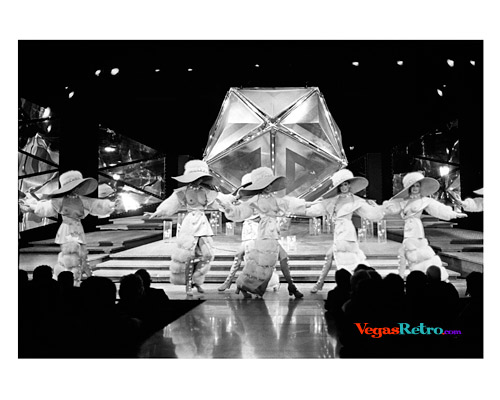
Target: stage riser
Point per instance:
(214, 277)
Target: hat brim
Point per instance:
(357, 183)
(275, 182)
(428, 186)
(81, 187)
(239, 188)
(479, 191)
(188, 178)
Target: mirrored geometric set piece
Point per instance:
(289, 130)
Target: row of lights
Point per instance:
(115, 71)
(449, 61)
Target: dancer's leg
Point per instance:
(234, 268)
(204, 247)
(285, 270)
(189, 277)
(324, 271)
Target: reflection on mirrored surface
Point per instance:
(435, 154)
(254, 329)
(38, 157)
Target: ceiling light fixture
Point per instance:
(115, 71)
(450, 62)
(98, 72)
(190, 69)
(472, 62)
(355, 63)
(71, 94)
(400, 62)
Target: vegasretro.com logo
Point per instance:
(403, 329)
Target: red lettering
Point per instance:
(369, 331)
(361, 330)
(395, 331)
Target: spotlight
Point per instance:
(98, 72)
(472, 62)
(257, 65)
(116, 177)
(444, 170)
(351, 148)
(440, 92)
(109, 149)
(71, 94)
(129, 203)
(450, 62)
(190, 69)
(114, 71)
(355, 63)
(157, 70)
(46, 112)
(400, 62)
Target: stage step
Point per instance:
(302, 271)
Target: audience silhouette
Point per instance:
(57, 319)
(423, 301)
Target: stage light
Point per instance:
(129, 203)
(472, 62)
(351, 148)
(444, 170)
(46, 112)
(400, 62)
(450, 62)
(257, 65)
(98, 72)
(444, 85)
(114, 71)
(190, 69)
(440, 92)
(109, 149)
(157, 70)
(116, 177)
(49, 128)
(71, 94)
(355, 63)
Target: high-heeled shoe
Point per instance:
(198, 288)
(293, 291)
(245, 294)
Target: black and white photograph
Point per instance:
(241, 200)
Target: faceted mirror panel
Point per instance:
(242, 160)
(303, 166)
(236, 120)
(118, 149)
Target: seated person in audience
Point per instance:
(154, 305)
(340, 293)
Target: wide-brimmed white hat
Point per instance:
(479, 191)
(74, 181)
(193, 170)
(261, 178)
(104, 191)
(245, 181)
(357, 183)
(428, 186)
